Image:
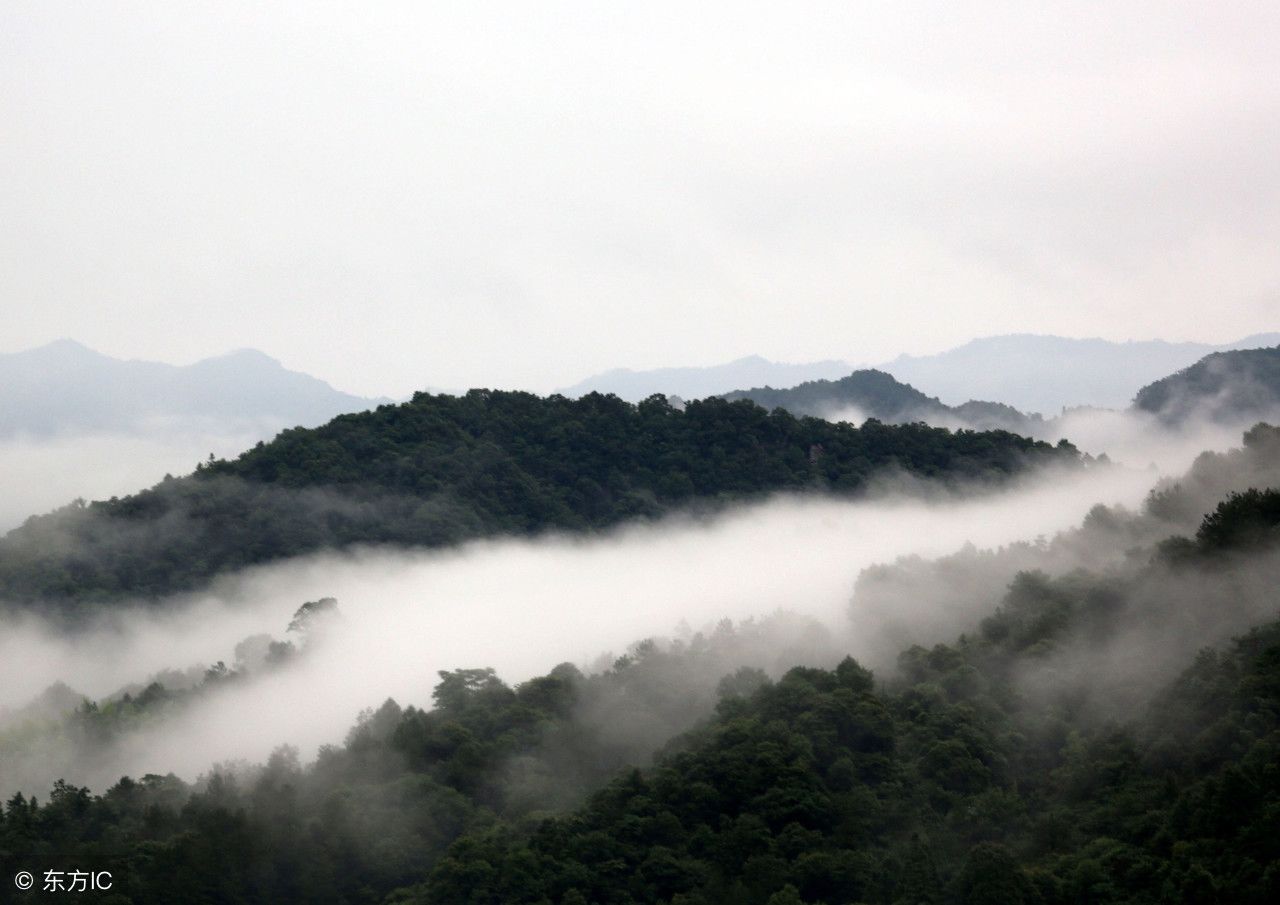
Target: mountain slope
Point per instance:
(1224, 386)
(1047, 373)
(65, 388)
(441, 469)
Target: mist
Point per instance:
(1131, 437)
(520, 606)
(1154, 633)
(38, 474)
(1141, 440)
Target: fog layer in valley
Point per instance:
(520, 606)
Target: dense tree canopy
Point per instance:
(441, 469)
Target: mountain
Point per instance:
(1225, 386)
(442, 469)
(698, 383)
(65, 388)
(875, 394)
(1048, 373)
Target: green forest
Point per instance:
(981, 770)
(443, 469)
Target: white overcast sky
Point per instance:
(392, 196)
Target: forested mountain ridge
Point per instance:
(954, 778)
(876, 394)
(1224, 386)
(442, 469)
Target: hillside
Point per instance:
(65, 388)
(1224, 386)
(441, 469)
(1048, 373)
(875, 394)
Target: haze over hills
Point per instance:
(1224, 386)
(1173, 419)
(1046, 374)
(1032, 373)
(67, 389)
(875, 394)
(700, 382)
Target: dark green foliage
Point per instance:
(991, 876)
(377, 812)
(442, 469)
(817, 788)
(1243, 521)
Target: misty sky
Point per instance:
(392, 196)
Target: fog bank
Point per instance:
(520, 606)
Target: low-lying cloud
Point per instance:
(520, 606)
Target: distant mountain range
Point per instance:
(1236, 387)
(1049, 373)
(65, 388)
(1028, 372)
